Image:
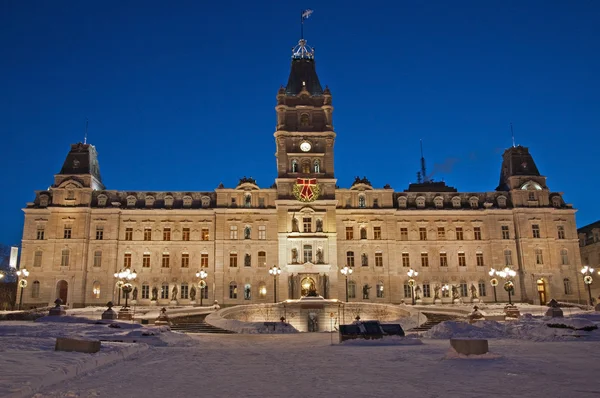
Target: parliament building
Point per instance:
(78, 233)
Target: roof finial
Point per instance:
(304, 15)
(512, 134)
(86, 128)
(302, 50)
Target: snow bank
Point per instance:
(385, 341)
(250, 327)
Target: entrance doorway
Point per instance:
(541, 288)
(308, 287)
(313, 322)
(62, 290)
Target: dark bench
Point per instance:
(369, 330)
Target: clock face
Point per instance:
(305, 146)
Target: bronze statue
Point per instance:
(154, 293)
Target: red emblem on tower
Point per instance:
(306, 189)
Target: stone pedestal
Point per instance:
(512, 311)
(554, 311)
(57, 310)
(109, 314)
(418, 301)
(174, 302)
(133, 302)
(470, 346)
(87, 346)
(163, 319)
(456, 301)
(475, 300)
(125, 314)
(437, 301)
(153, 303)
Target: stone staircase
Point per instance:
(195, 324)
(432, 320)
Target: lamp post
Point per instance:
(445, 288)
(412, 274)
(346, 271)
(202, 284)
(126, 276)
(494, 283)
(587, 279)
(275, 271)
(22, 274)
(508, 274)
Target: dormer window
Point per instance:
(187, 201)
(149, 201)
(131, 201)
(102, 200)
(362, 201)
(420, 202)
(294, 166)
(44, 199)
(474, 202)
(438, 202)
(531, 196)
(556, 202)
(168, 201)
(501, 201)
(402, 202)
(456, 202)
(205, 201)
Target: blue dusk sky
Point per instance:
(180, 95)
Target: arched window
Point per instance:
(96, 289)
(556, 201)
(164, 290)
(362, 201)
(501, 201)
(474, 202)
(306, 166)
(102, 200)
(351, 289)
(380, 290)
(233, 290)
(317, 166)
(564, 257)
(363, 233)
(294, 166)
(567, 285)
(35, 289)
(247, 291)
(262, 290)
(205, 201)
(149, 201)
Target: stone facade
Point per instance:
(589, 241)
(78, 233)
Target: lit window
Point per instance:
(233, 290)
(362, 201)
(233, 232)
(262, 259)
(205, 234)
(380, 290)
(96, 289)
(262, 232)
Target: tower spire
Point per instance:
(512, 135)
(86, 129)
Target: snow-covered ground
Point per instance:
(163, 363)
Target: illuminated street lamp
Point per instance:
(508, 274)
(202, 284)
(22, 274)
(445, 288)
(494, 283)
(412, 274)
(126, 276)
(587, 279)
(275, 271)
(346, 271)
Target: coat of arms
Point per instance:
(306, 189)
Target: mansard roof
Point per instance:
(303, 74)
(516, 161)
(430, 186)
(82, 159)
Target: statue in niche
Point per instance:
(319, 256)
(366, 289)
(455, 294)
(193, 293)
(364, 260)
(436, 292)
(247, 293)
(174, 293)
(312, 289)
(134, 294)
(418, 293)
(295, 224)
(247, 233)
(294, 256)
(473, 291)
(154, 293)
(319, 225)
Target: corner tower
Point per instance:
(304, 135)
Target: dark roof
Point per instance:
(516, 161)
(82, 159)
(438, 186)
(303, 73)
(588, 228)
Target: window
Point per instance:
(99, 232)
(233, 202)
(35, 289)
(166, 260)
(380, 289)
(262, 290)
(362, 202)
(350, 259)
(567, 285)
(128, 233)
(479, 259)
(146, 260)
(351, 289)
(37, 258)
(307, 253)
(531, 196)
(164, 291)
(185, 260)
(482, 290)
(539, 259)
(204, 233)
(407, 290)
(379, 259)
(304, 120)
(564, 257)
(67, 232)
(443, 259)
(294, 166)
(204, 260)
(40, 232)
(247, 291)
(424, 260)
(535, 230)
(127, 260)
(184, 291)
(420, 202)
(167, 234)
(233, 290)
(561, 231)
(364, 260)
(477, 233)
(459, 233)
(363, 233)
(464, 291)
(233, 260)
(147, 233)
(349, 233)
(307, 224)
(233, 232)
(507, 257)
(375, 203)
(185, 234)
(445, 290)
(247, 232)
(247, 260)
(145, 291)
(405, 260)
(426, 289)
(441, 233)
(377, 233)
(97, 258)
(403, 233)
(262, 259)
(317, 166)
(422, 233)
(96, 289)
(505, 232)
(462, 259)
(64, 260)
(262, 232)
